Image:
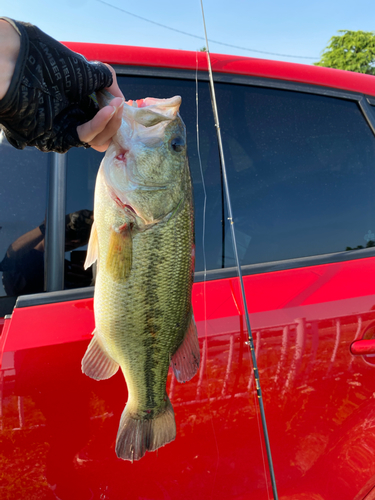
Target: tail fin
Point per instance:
(136, 436)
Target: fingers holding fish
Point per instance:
(99, 131)
(114, 89)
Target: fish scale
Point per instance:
(142, 299)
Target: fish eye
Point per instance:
(177, 144)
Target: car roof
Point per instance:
(221, 63)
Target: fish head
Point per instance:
(145, 165)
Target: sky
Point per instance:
(291, 30)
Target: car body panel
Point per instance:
(302, 342)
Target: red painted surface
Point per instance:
(319, 399)
(179, 59)
(363, 347)
(3, 338)
(52, 324)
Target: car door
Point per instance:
(301, 174)
(61, 425)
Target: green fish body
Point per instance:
(143, 241)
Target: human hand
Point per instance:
(48, 103)
(99, 131)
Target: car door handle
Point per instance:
(363, 347)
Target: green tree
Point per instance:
(352, 51)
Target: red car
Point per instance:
(299, 143)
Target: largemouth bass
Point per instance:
(143, 241)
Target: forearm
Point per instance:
(9, 49)
(25, 243)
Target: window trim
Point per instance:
(284, 265)
(54, 254)
(256, 81)
(39, 299)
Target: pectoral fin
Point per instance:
(185, 361)
(120, 252)
(93, 247)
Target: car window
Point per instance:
(300, 167)
(82, 168)
(301, 170)
(23, 195)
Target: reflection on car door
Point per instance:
(301, 173)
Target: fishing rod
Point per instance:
(243, 295)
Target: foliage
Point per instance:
(352, 51)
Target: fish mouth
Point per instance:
(123, 156)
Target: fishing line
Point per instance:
(243, 295)
(204, 360)
(201, 170)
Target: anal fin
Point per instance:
(185, 361)
(96, 363)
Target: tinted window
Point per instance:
(83, 166)
(301, 170)
(23, 190)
